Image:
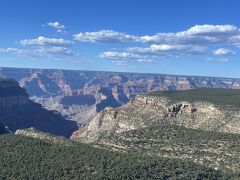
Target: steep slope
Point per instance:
(27, 158)
(68, 92)
(18, 112)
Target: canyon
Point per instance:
(79, 95)
(197, 127)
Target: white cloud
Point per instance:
(44, 41)
(15, 51)
(170, 50)
(106, 36)
(59, 51)
(153, 52)
(196, 40)
(32, 53)
(62, 31)
(56, 25)
(121, 57)
(224, 52)
(42, 47)
(39, 52)
(207, 30)
(196, 35)
(235, 40)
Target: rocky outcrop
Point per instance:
(17, 111)
(145, 111)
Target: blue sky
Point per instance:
(155, 36)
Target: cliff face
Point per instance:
(17, 111)
(79, 95)
(146, 111)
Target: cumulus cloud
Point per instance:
(32, 53)
(196, 40)
(106, 36)
(126, 57)
(57, 51)
(44, 41)
(14, 51)
(212, 30)
(196, 35)
(38, 52)
(42, 47)
(224, 52)
(170, 50)
(154, 52)
(56, 25)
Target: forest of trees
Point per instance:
(27, 158)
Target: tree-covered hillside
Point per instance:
(27, 158)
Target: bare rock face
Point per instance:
(144, 111)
